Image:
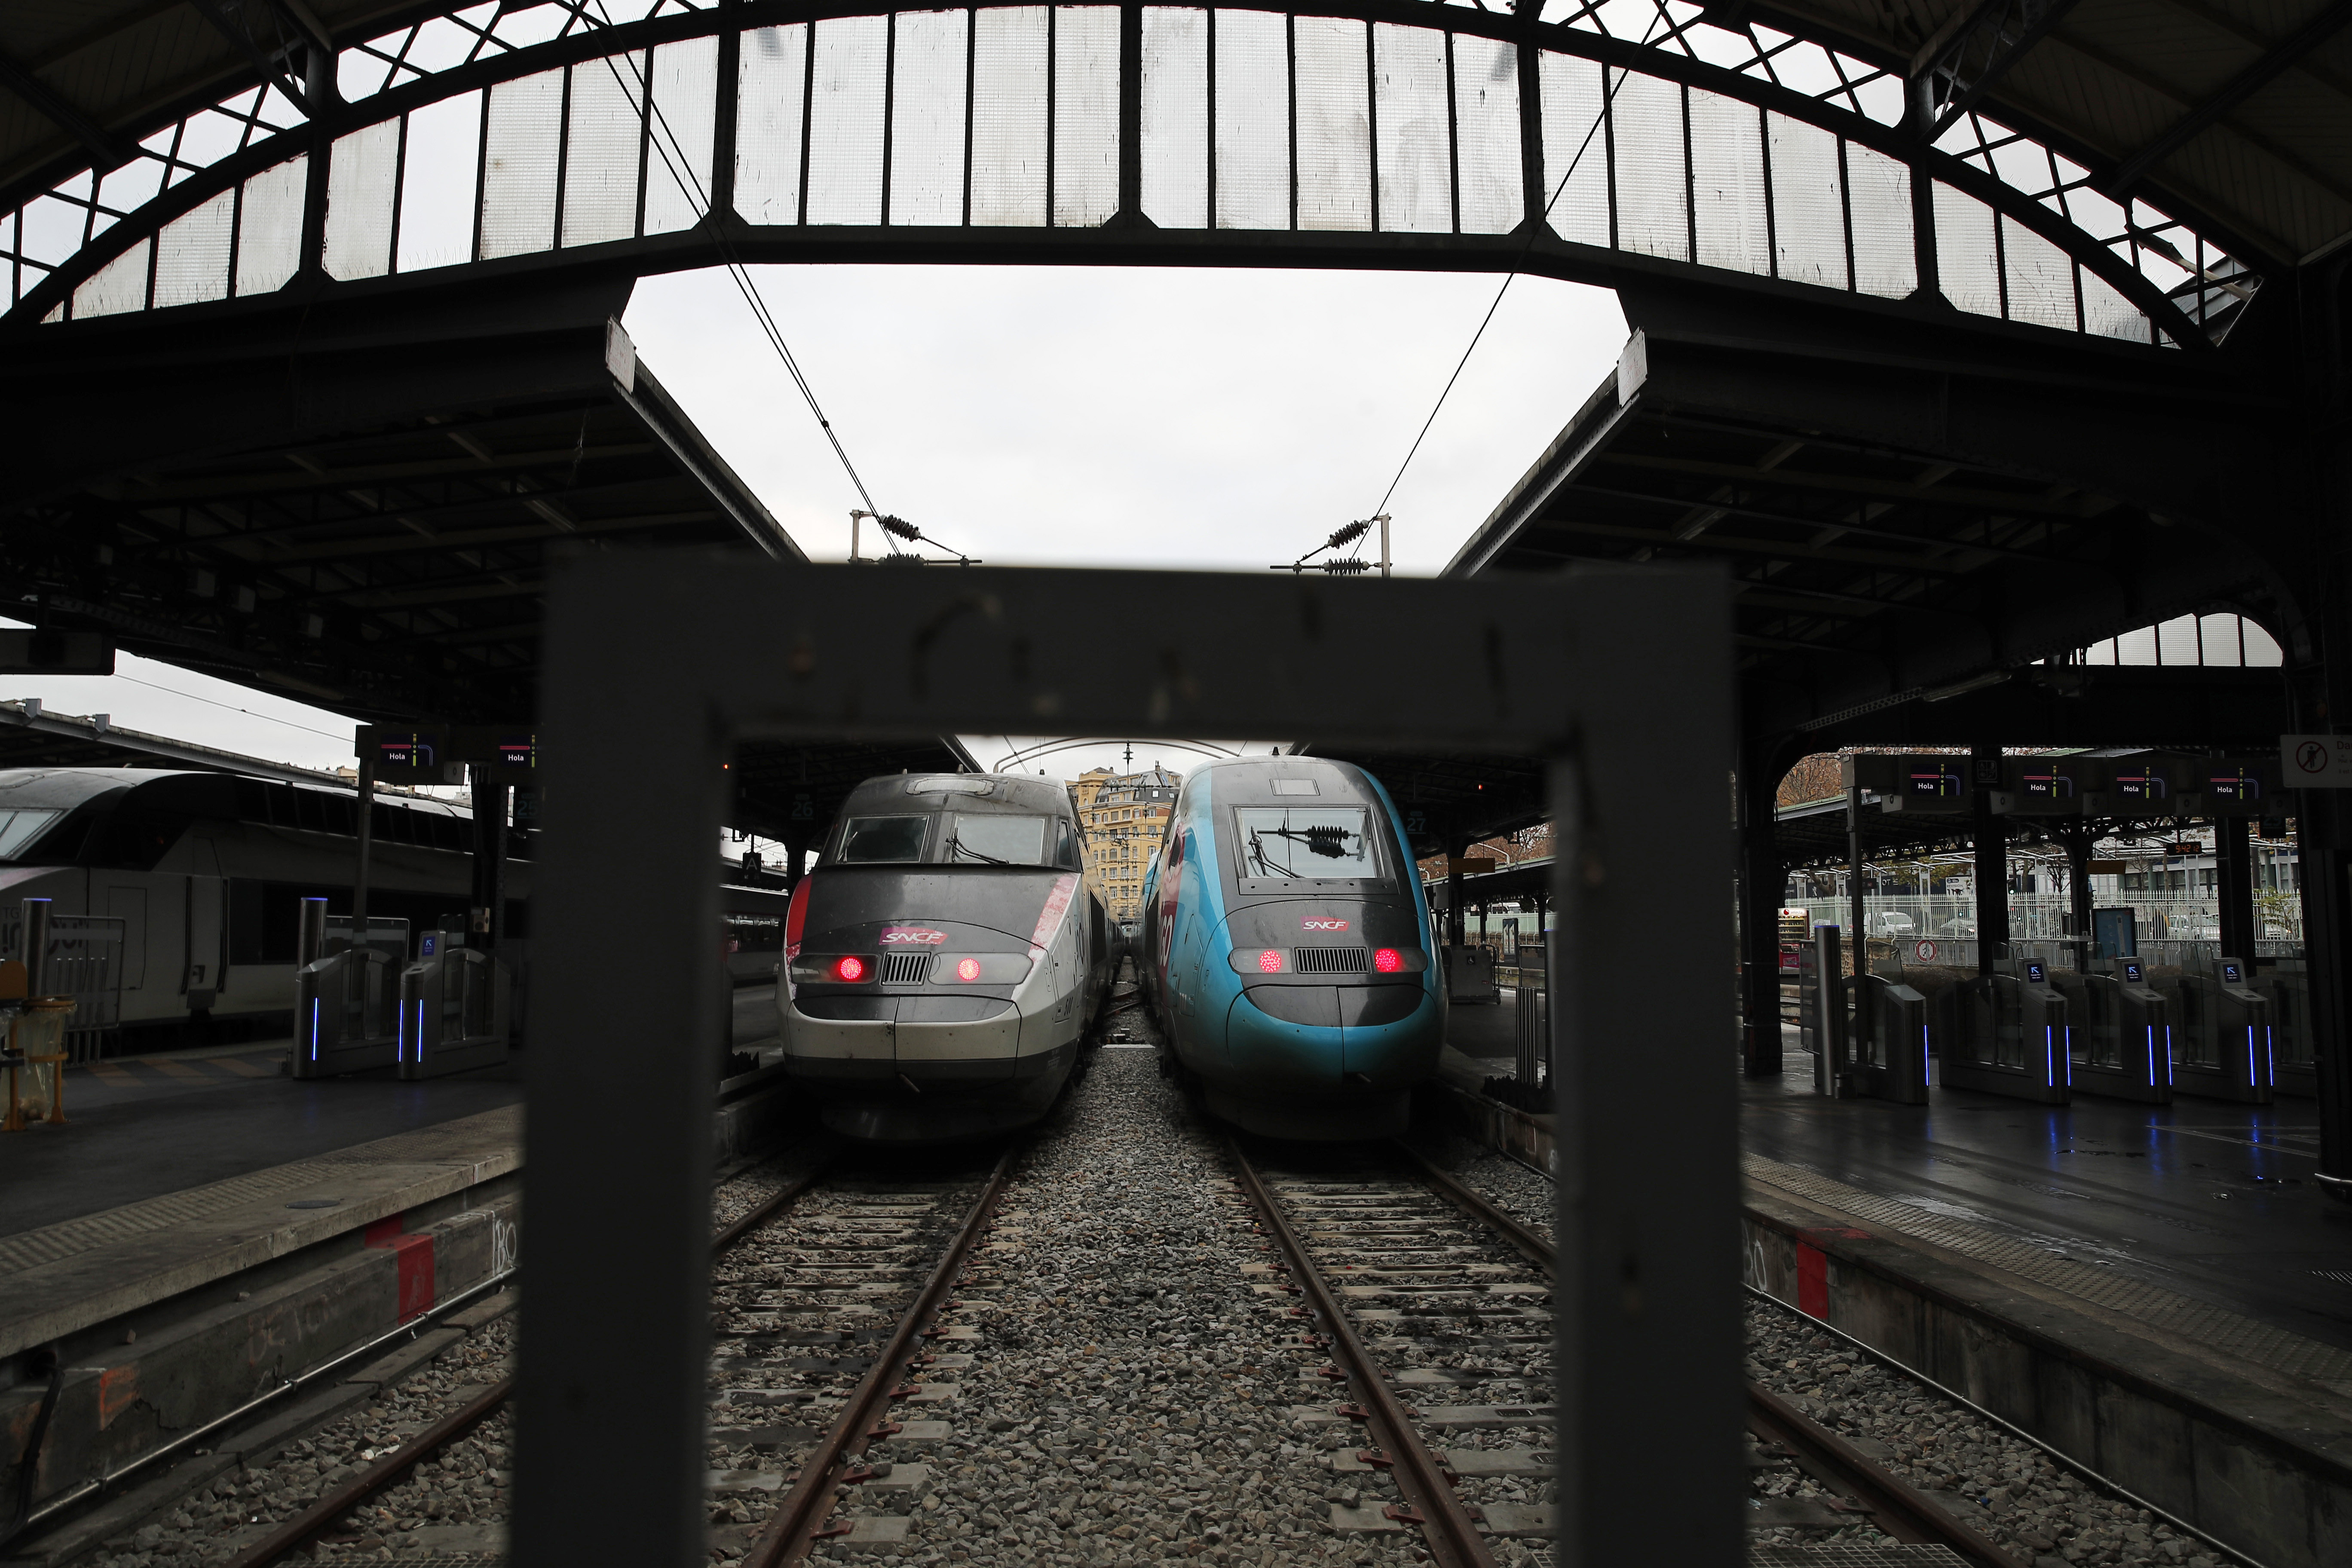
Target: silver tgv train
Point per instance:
(205, 871)
(944, 961)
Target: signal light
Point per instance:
(850, 969)
(1388, 960)
(967, 969)
(1270, 960)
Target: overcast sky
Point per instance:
(1108, 417)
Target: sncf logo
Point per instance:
(913, 936)
(1322, 922)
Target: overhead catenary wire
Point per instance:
(1517, 264)
(681, 169)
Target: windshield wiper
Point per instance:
(956, 847)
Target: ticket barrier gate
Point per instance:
(2221, 1044)
(2125, 1047)
(344, 1013)
(2006, 1033)
(2295, 1065)
(1887, 1039)
(455, 1004)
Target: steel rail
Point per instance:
(1892, 1504)
(305, 1528)
(1447, 1530)
(800, 1519)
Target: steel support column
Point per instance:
(1991, 846)
(1762, 877)
(2234, 860)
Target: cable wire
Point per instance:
(681, 169)
(1521, 261)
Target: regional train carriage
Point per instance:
(944, 960)
(1285, 945)
(205, 870)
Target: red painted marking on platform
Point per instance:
(1812, 1281)
(1834, 1233)
(413, 1259)
(118, 1391)
(416, 1261)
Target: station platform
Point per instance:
(138, 1127)
(2197, 1207)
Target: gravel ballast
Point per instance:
(2010, 1489)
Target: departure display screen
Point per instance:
(1305, 842)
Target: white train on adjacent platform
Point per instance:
(205, 871)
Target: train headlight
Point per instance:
(967, 969)
(850, 970)
(1270, 961)
(1388, 960)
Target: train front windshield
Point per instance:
(1306, 842)
(955, 838)
(19, 828)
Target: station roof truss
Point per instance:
(212, 156)
(392, 570)
(1812, 835)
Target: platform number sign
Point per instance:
(1416, 823)
(803, 808)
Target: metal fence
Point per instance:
(1949, 919)
(85, 963)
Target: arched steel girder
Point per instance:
(1127, 236)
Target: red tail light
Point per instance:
(967, 969)
(1270, 960)
(849, 969)
(1388, 960)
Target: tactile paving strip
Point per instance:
(2218, 1329)
(459, 1142)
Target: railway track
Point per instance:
(849, 1293)
(1785, 1439)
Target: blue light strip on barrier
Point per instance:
(1927, 1060)
(314, 1028)
(2151, 1055)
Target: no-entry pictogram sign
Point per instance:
(2316, 762)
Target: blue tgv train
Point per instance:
(1286, 948)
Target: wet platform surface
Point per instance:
(2212, 1201)
(141, 1127)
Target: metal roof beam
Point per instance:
(2209, 110)
(1726, 544)
(1817, 524)
(1889, 489)
(229, 487)
(409, 544)
(52, 107)
(1958, 66)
